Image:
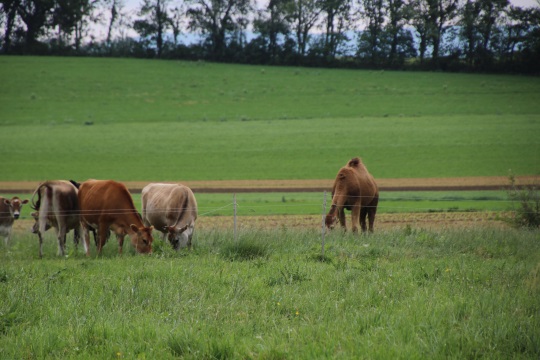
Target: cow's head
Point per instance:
(331, 219)
(15, 206)
(142, 239)
(180, 237)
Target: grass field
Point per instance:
(177, 121)
(406, 294)
(411, 290)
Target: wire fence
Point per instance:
(307, 205)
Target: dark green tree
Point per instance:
(270, 24)
(302, 17)
(216, 19)
(153, 23)
(372, 46)
(36, 15)
(9, 10)
(337, 20)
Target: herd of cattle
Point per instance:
(102, 206)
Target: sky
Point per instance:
(130, 6)
(133, 4)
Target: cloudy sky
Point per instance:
(132, 4)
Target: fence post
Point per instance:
(323, 228)
(234, 205)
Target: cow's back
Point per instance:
(104, 198)
(58, 203)
(168, 204)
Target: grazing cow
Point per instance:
(354, 189)
(10, 210)
(56, 206)
(107, 204)
(171, 209)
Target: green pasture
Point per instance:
(402, 294)
(311, 203)
(126, 119)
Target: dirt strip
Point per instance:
(240, 186)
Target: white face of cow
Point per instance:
(15, 206)
(180, 237)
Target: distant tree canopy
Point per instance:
(451, 35)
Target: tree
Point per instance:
(371, 45)
(215, 19)
(270, 24)
(72, 18)
(441, 13)
(420, 22)
(9, 9)
(302, 16)
(337, 20)
(153, 23)
(36, 16)
(398, 15)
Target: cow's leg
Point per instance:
(103, 231)
(40, 244)
(7, 239)
(363, 216)
(120, 239)
(62, 241)
(341, 217)
(372, 212)
(86, 239)
(355, 217)
(76, 236)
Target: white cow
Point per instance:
(171, 209)
(56, 206)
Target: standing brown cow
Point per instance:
(10, 210)
(107, 204)
(56, 206)
(356, 190)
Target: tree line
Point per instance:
(451, 35)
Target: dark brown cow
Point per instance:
(107, 204)
(56, 206)
(10, 210)
(354, 189)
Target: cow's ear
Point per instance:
(134, 228)
(25, 201)
(7, 202)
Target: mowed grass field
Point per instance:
(404, 292)
(177, 121)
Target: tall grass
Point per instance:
(405, 293)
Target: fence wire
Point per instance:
(313, 202)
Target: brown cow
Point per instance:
(107, 204)
(56, 206)
(10, 210)
(354, 189)
(171, 209)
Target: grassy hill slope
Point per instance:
(168, 120)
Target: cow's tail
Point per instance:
(76, 184)
(46, 207)
(37, 204)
